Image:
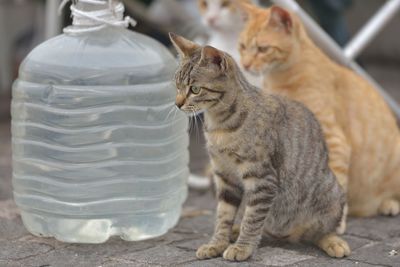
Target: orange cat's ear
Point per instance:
(212, 55)
(245, 9)
(184, 47)
(280, 18)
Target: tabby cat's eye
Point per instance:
(263, 49)
(195, 89)
(242, 47)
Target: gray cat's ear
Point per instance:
(280, 18)
(184, 47)
(212, 55)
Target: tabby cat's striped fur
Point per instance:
(266, 151)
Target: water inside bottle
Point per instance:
(98, 147)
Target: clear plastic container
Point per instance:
(98, 148)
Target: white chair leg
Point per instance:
(372, 28)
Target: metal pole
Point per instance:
(325, 42)
(53, 20)
(372, 28)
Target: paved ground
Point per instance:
(375, 241)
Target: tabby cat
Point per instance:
(360, 130)
(224, 24)
(267, 154)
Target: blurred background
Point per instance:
(26, 23)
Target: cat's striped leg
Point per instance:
(229, 195)
(259, 195)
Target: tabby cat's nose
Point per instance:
(180, 100)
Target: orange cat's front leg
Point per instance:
(339, 154)
(339, 161)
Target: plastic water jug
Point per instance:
(98, 146)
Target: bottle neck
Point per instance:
(93, 15)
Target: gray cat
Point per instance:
(268, 155)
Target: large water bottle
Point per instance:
(98, 148)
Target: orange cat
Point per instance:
(360, 130)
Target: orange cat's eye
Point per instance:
(263, 49)
(204, 3)
(242, 47)
(225, 3)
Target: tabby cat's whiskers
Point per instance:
(174, 109)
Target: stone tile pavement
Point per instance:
(374, 241)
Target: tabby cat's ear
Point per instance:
(280, 18)
(212, 55)
(245, 9)
(184, 47)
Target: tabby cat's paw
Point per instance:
(389, 207)
(334, 246)
(211, 250)
(237, 252)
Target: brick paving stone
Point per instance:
(219, 262)
(11, 229)
(161, 255)
(125, 263)
(329, 262)
(379, 253)
(356, 242)
(79, 254)
(383, 227)
(63, 258)
(192, 245)
(203, 225)
(15, 250)
(177, 248)
(274, 256)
